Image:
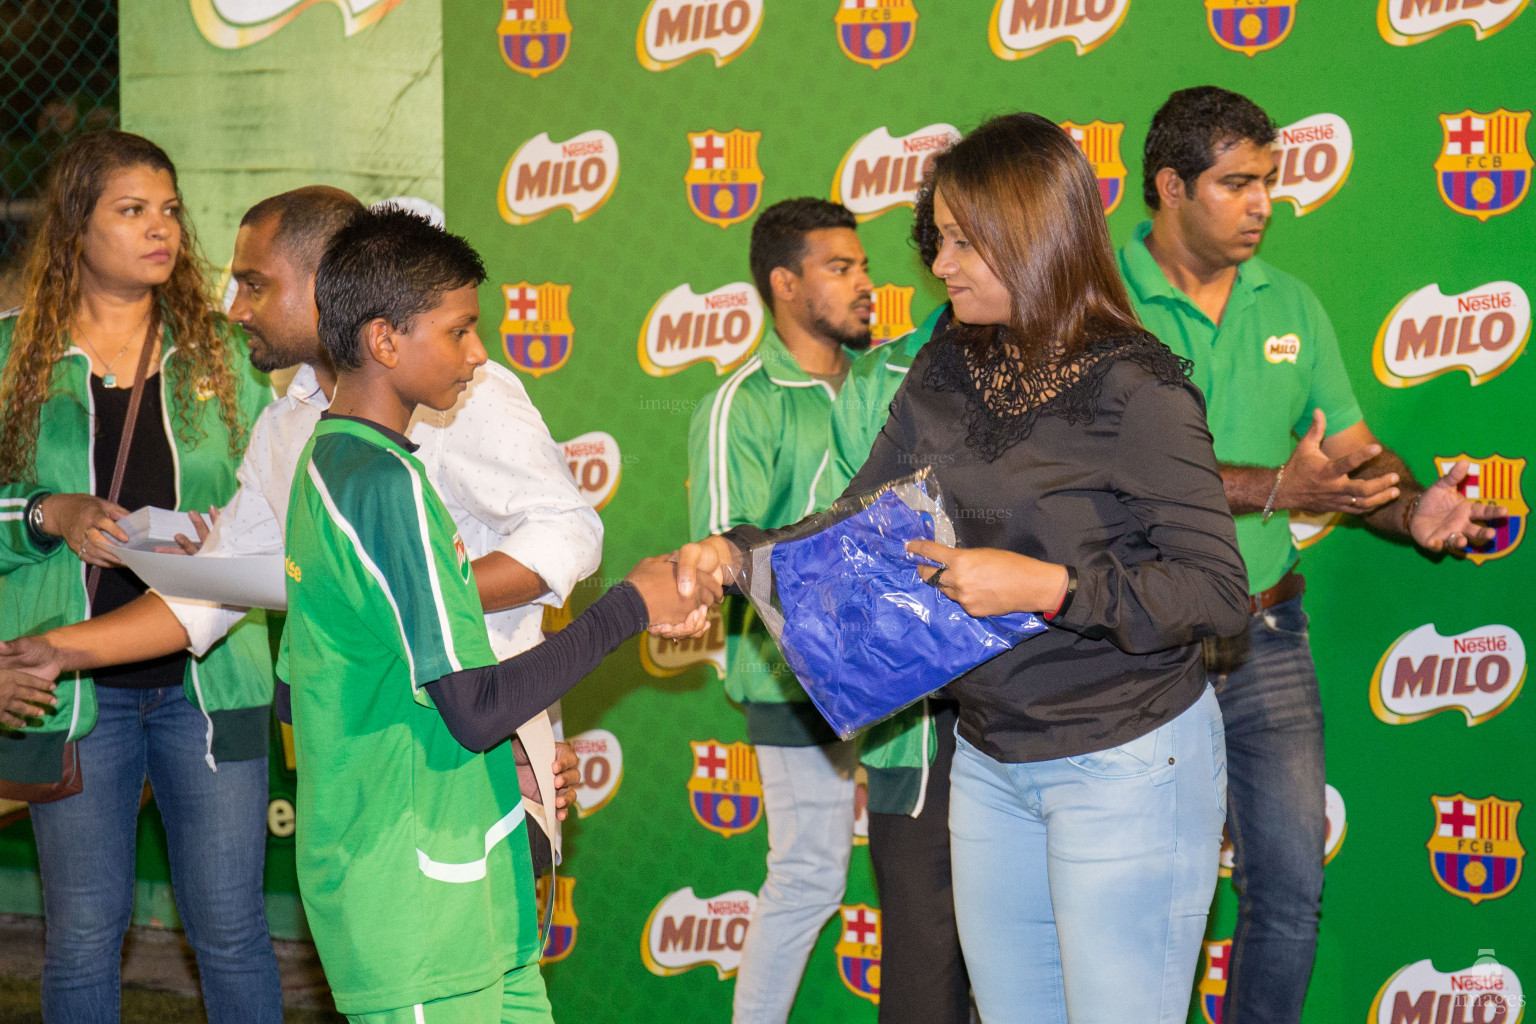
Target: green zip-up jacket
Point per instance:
(896, 753)
(44, 587)
(757, 455)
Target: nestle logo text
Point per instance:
(1480, 303)
(1308, 133)
(727, 301)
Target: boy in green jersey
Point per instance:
(412, 858)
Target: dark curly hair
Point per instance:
(925, 233)
(1194, 127)
(51, 301)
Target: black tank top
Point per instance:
(148, 479)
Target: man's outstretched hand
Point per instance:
(31, 655)
(1445, 519)
(666, 601)
(28, 667)
(708, 566)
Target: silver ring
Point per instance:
(1351, 499)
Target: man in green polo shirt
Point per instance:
(758, 455)
(1266, 357)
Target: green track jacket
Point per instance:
(43, 588)
(896, 753)
(757, 455)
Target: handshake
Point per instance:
(678, 591)
(680, 588)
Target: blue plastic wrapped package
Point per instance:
(863, 633)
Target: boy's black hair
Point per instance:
(778, 237)
(387, 263)
(308, 218)
(1192, 128)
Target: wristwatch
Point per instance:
(40, 536)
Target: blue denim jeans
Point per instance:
(1267, 686)
(808, 800)
(215, 823)
(1082, 884)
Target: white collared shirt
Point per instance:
(493, 462)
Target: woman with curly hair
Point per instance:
(1088, 789)
(113, 267)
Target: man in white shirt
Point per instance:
(504, 480)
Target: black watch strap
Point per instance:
(1066, 599)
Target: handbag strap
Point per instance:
(129, 421)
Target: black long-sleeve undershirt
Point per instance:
(483, 706)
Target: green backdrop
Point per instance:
(1383, 233)
(608, 93)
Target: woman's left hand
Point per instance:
(990, 581)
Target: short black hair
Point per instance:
(308, 218)
(778, 237)
(1193, 127)
(386, 263)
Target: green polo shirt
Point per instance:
(1271, 361)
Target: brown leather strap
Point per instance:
(1292, 584)
(145, 354)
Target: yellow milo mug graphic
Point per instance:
(233, 24)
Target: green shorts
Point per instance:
(518, 998)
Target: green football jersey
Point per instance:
(412, 857)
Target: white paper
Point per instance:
(150, 527)
(247, 581)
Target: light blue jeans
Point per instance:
(808, 800)
(216, 828)
(1082, 884)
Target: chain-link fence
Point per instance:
(58, 79)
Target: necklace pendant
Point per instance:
(110, 380)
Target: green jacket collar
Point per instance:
(924, 333)
(783, 369)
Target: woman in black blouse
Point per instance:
(1089, 783)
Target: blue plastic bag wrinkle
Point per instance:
(863, 632)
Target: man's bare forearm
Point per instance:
(1389, 518)
(143, 628)
(504, 582)
(1247, 487)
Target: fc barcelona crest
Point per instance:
(1213, 983)
(876, 32)
(1100, 143)
(892, 315)
(1250, 26)
(563, 923)
(535, 35)
(858, 951)
(1475, 851)
(1484, 167)
(725, 792)
(724, 180)
(536, 329)
(1495, 479)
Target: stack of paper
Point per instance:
(150, 528)
(246, 581)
